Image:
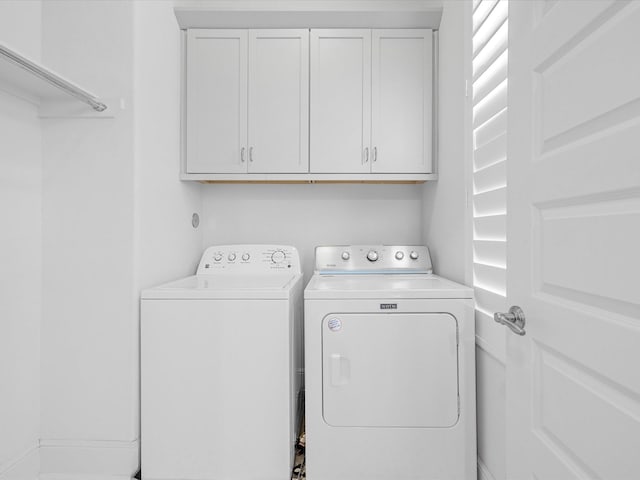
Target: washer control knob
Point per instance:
(399, 255)
(345, 256)
(217, 257)
(372, 256)
(414, 255)
(278, 256)
(245, 257)
(231, 257)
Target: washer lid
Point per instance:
(225, 286)
(384, 286)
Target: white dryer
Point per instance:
(221, 366)
(389, 368)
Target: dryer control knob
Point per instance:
(372, 256)
(278, 256)
(245, 257)
(231, 257)
(345, 256)
(414, 255)
(217, 257)
(399, 255)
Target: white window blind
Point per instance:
(489, 66)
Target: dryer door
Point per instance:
(390, 370)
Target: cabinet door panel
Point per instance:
(401, 100)
(340, 100)
(279, 101)
(216, 100)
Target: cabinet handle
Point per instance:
(242, 154)
(375, 154)
(366, 154)
(251, 154)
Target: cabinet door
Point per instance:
(216, 101)
(278, 101)
(340, 101)
(401, 101)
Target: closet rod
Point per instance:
(52, 78)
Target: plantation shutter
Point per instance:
(489, 100)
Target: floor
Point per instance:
(299, 467)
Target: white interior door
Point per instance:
(573, 381)
(340, 100)
(401, 99)
(279, 101)
(216, 101)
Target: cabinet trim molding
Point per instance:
(310, 178)
(193, 17)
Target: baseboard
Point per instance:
(483, 471)
(80, 476)
(88, 460)
(25, 467)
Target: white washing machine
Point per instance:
(389, 368)
(221, 366)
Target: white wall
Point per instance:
(116, 219)
(445, 209)
(167, 245)
(89, 332)
(20, 256)
(312, 214)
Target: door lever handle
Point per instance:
(514, 319)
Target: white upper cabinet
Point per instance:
(340, 105)
(371, 95)
(308, 105)
(216, 117)
(278, 101)
(401, 97)
(247, 101)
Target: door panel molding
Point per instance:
(566, 388)
(571, 241)
(561, 29)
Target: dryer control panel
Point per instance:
(372, 259)
(249, 259)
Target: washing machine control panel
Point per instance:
(247, 259)
(350, 259)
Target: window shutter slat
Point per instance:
(490, 26)
(487, 301)
(482, 12)
(490, 252)
(491, 105)
(490, 278)
(490, 178)
(491, 152)
(491, 51)
(493, 227)
(490, 203)
(491, 78)
(492, 129)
